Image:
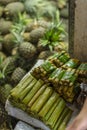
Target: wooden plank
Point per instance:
(80, 39)
(71, 26)
(78, 46)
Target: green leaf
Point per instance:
(51, 48)
(2, 75)
(1, 60)
(54, 43)
(1, 39)
(44, 42)
(54, 34)
(57, 16)
(19, 27)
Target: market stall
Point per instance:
(43, 75)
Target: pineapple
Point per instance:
(8, 42)
(4, 92)
(54, 34)
(36, 34)
(45, 54)
(26, 36)
(1, 11)
(2, 55)
(43, 23)
(40, 8)
(31, 7)
(21, 62)
(64, 13)
(31, 26)
(17, 75)
(0, 46)
(40, 47)
(61, 46)
(61, 3)
(14, 8)
(8, 65)
(5, 2)
(14, 51)
(27, 50)
(5, 26)
(49, 10)
(36, 24)
(1, 41)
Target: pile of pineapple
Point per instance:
(39, 100)
(24, 37)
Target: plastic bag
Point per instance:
(23, 126)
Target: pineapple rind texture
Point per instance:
(27, 50)
(5, 2)
(4, 92)
(5, 26)
(36, 34)
(17, 75)
(8, 42)
(14, 8)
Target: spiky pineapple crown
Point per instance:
(54, 34)
(19, 27)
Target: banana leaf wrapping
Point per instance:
(47, 116)
(23, 93)
(17, 104)
(21, 87)
(35, 97)
(66, 92)
(15, 92)
(42, 100)
(54, 97)
(70, 93)
(56, 55)
(69, 77)
(38, 99)
(61, 118)
(64, 82)
(43, 71)
(82, 70)
(56, 113)
(64, 58)
(65, 121)
(59, 59)
(72, 63)
(56, 76)
(64, 78)
(33, 91)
